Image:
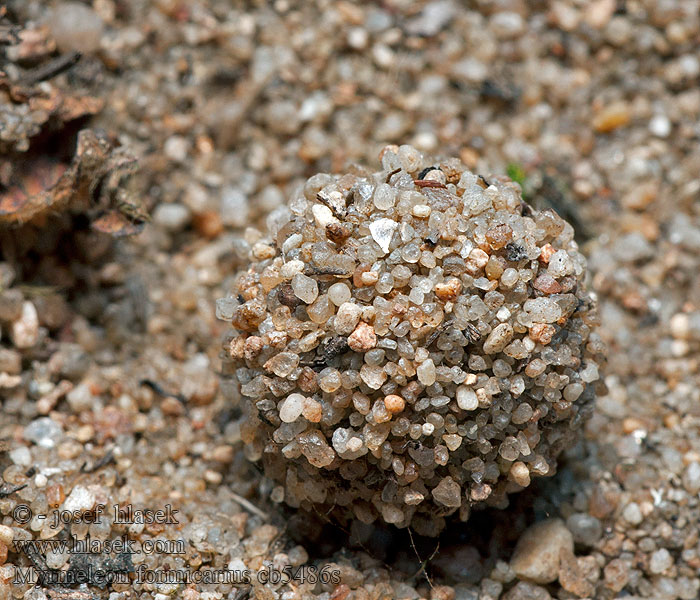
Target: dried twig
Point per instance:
(428, 183)
(10, 489)
(105, 460)
(249, 506)
(52, 68)
(158, 389)
(423, 563)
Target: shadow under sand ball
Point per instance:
(411, 343)
(463, 553)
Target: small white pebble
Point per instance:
(479, 258)
(213, 477)
(358, 38)
(691, 478)
(422, 211)
(176, 148)
(679, 348)
(466, 398)
(323, 215)
(470, 379)
(410, 158)
(25, 330)
(680, 326)
(291, 268)
(509, 277)
(503, 314)
(263, 251)
(632, 514)
(425, 140)
(298, 556)
(369, 278)
(660, 561)
(660, 126)
(541, 310)
(354, 444)
(21, 456)
(347, 318)
(293, 241)
(507, 24)
(80, 499)
(339, 293)
(291, 408)
(237, 565)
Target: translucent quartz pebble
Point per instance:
(560, 264)
(315, 448)
(539, 310)
(225, 308)
(448, 492)
(305, 288)
(44, 432)
(384, 196)
(283, 363)
(348, 444)
(374, 377)
(426, 372)
(382, 231)
(77, 27)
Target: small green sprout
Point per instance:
(516, 173)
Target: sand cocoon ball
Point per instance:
(410, 343)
